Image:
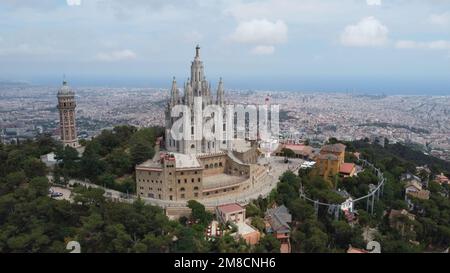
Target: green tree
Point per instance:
(288, 153)
(252, 210)
(199, 212)
(124, 132)
(39, 186)
(228, 244)
(258, 223)
(33, 167)
(13, 181)
(301, 210)
(119, 162)
(268, 244)
(140, 152)
(89, 196)
(90, 234)
(91, 165)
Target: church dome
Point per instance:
(65, 89)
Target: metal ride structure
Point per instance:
(374, 193)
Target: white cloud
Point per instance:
(368, 32)
(114, 56)
(440, 19)
(260, 32)
(373, 2)
(433, 45)
(263, 50)
(404, 44)
(287, 10)
(73, 2)
(27, 49)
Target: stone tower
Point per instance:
(66, 107)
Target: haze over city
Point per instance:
(357, 46)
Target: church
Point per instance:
(198, 168)
(196, 88)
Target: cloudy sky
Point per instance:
(373, 46)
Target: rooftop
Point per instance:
(244, 228)
(241, 146)
(186, 161)
(347, 168)
(299, 148)
(327, 157)
(221, 180)
(229, 208)
(279, 218)
(183, 161)
(334, 148)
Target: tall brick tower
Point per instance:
(67, 124)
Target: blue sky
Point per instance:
(373, 46)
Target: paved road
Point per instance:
(112, 194)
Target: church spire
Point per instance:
(220, 93)
(174, 92)
(188, 96)
(197, 71)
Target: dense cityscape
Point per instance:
(421, 121)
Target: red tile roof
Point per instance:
(228, 208)
(294, 147)
(347, 168)
(356, 250)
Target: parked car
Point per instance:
(56, 194)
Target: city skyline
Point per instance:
(325, 46)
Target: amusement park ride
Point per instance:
(347, 207)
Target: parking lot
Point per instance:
(65, 193)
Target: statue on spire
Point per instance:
(197, 49)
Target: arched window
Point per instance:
(206, 166)
(195, 188)
(211, 165)
(216, 165)
(192, 146)
(182, 189)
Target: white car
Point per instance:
(56, 194)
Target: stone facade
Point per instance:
(178, 177)
(196, 87)
(329, 161)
